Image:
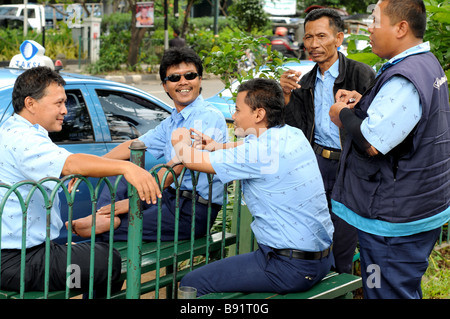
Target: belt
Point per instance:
(328, 153)
(307, 255)
(189, 195)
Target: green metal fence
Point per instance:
(135, 247)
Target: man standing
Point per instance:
(308, 103)
(181, 72)
(29, 154)
(393, 182)
(176, 41)
(283, 190)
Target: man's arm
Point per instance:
(95, 166)
(204, 142)
(120, 152)
(288, 82)
(192, 158)
(170, 177)
(343, 116)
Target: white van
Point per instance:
(36, 14)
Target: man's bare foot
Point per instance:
(82, 226)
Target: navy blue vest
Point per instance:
(412, 181)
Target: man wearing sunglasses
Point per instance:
(181, 73)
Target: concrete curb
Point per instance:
(134, 78)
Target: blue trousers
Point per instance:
(150, 216)
(345, 236)
(259, 271)
(392, 267)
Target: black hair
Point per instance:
(176, 56)
(266, 94)
(411, 11)
(333, 16)
(33, 83)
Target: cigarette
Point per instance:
(291, 75)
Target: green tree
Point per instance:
(437, 33)
(249, 15)
(438, 30)
(242, 57)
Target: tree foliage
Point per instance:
(249, 15)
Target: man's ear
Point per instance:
(402, 29)
(260, 114)
(339, 39)
(165, 89)
(29, 104)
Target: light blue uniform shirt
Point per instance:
(282, 186)
(201, 116)
(326, 133)
(27, 153)
(393, 114)
(396, 109)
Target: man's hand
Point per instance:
(120, 207)
(351, 98)
(204, 142)
(181, 134)
(335, 109)
(289, 81)
(144, 182)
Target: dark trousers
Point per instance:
(35, 271)
(260, 271)
(345, 236)
(150, 216)
(392, 267)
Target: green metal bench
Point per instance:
(333, 286)
(152, 259)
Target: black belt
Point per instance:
(325, 152)
(307, 255)
(189, 195)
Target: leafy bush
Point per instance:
(56, 41)
(438, 28)
(113, 52)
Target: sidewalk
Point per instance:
(128, 79)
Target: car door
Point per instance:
(129, 114)
(81, 133)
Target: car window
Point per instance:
(77, 125)
(31, 13)
(129, 116)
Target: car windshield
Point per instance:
(8, 11)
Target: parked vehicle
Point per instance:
(35, 12)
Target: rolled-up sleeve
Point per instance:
(393, 114)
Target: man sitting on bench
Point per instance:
(181, 73)
(283, 190)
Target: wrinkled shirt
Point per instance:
(396, 109)
(282, 187)
(27, 153)
(201, 116)
(326, 133)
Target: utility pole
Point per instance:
(216, 18)
(166, 25)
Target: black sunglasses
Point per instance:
(177, 77)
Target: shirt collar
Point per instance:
(185, 112)
(20, 119)
(420, 48)
(333, 70)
